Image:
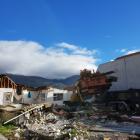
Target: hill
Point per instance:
(36, 81)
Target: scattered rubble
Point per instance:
(85, 123)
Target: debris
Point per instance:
(87, 122)
(3, 137)
(39, 106)
(17, 135)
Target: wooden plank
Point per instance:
(39, 106)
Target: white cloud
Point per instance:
(76, 49)
(132, 51)
(123, 50)
(67, 46)
(31, 58)
(127, 51)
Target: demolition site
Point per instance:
(100, 105)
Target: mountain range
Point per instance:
(37, 81)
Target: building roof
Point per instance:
(14, 80)
(128, 55)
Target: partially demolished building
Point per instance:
(13, 92)
(10, 91)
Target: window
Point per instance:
(7, 97)
(57, 97)
(19, 90)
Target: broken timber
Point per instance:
(36, 107)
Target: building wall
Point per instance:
(133, 71)
(3, 92)
(119, 69)
(46, 95)
(52, 91)
(49, 97)
(25, 97)
(38, 96)
(127, 71)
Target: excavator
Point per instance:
(91, 87)
(94, 87)
(93, 83)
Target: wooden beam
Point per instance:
(11, 80)
(4, 82)
(14, 86)
(8, 82)
(36, 107)
(1, 82)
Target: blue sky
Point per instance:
(112, 27)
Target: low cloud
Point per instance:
(76, 49)
(31, 58)
(132, 51)
(127, 51)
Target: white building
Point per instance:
(10, 92)
(27, 96)
(127, 71)
(50, 95)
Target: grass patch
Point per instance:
(6, 129)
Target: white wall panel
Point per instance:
(126, 69)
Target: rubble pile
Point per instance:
(49, 125)
(84, 124)
(58, 128)
(80, 122)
